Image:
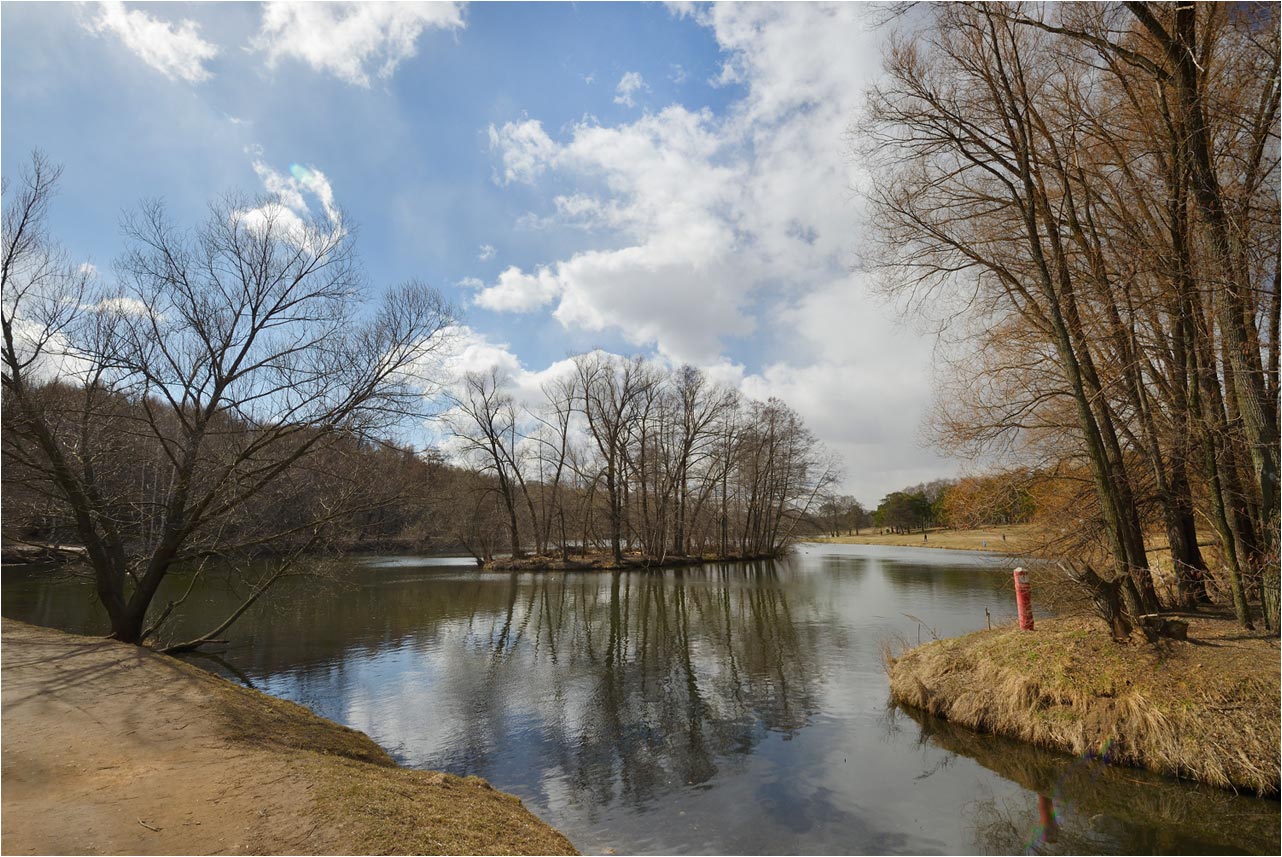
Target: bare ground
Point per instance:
(113, 749)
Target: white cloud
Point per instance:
(49, 352)
(88, 269)
(279, 219)
(486, 253)
(629, 85)
(287, 208)
(120, 305)
(677, 283)
(525, 149)
(583, 210)
(863, 409)
(736, 223)
(473, 351)
(682, 8)
(175, 50)
(515, 291)
(351, 41)
(289, 189)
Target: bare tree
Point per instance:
(228, 355)
(484, 418)
(1091, 189)
(610, 389)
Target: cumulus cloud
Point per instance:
(629, 85)
(350, 41)
(524, 148)
(50, 354)
(175, 50)
(486, 252)
(516, 291)
(677, 283)
(287, 208)
(473, 351)
(120, 305)
(735, 223)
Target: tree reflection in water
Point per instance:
(1078, 805)
(727, 709)
(618, 686)
(651, 678)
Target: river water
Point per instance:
(733, 709)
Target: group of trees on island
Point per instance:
(231, 394)
(1090, 193)
(626, 454)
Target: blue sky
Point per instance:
(670, 180)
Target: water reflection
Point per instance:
(719, 709)
(1076, 805)
(623, 684)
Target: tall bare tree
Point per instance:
(228, 356)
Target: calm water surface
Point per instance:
(721, 709)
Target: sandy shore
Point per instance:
(113, 749)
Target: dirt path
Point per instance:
(109, 749)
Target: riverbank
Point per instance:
(1206, 709)
(1015, 538)
(109, 748)
(607, 562)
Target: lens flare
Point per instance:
(1046, 830)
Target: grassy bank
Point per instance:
(1018, 538)
(109, 748)
(1206, 709)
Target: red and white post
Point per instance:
(1023, 600)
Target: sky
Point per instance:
(671, 180)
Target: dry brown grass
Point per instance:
(402, 811)
(1020, 538)
(1206, 710)
(370, 804)
(367, 802)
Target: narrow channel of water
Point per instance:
(737, 708)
